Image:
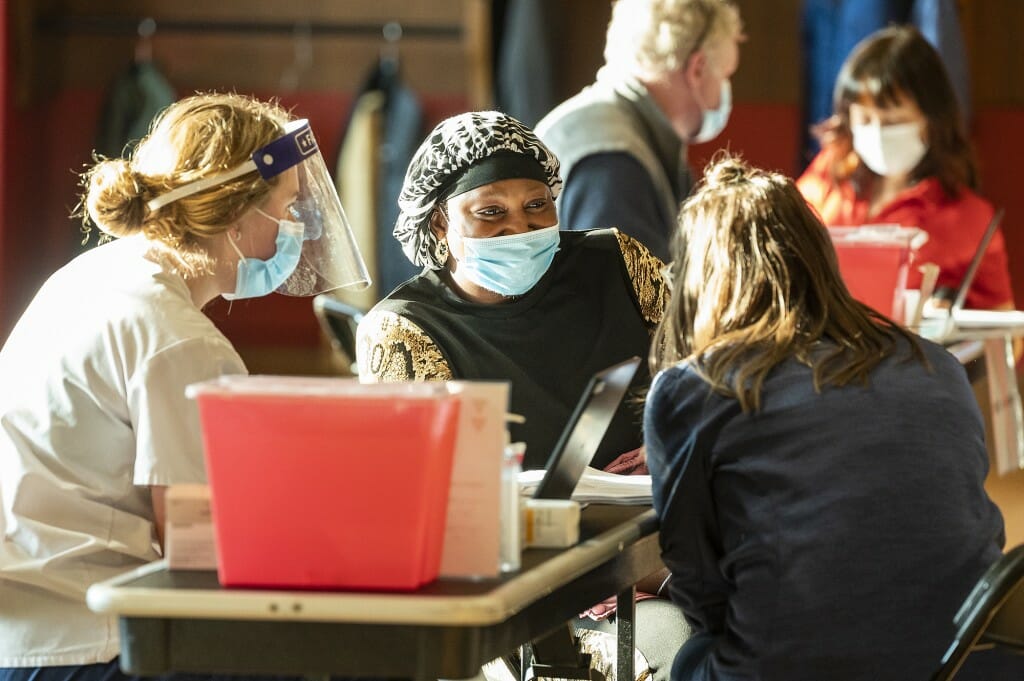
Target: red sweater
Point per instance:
(954, 226)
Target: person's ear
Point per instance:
(439, 224)
(696, 65)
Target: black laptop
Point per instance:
(972, 269)
(956, 321)
(585, 429)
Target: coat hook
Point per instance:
(144, 45)
(392, 31)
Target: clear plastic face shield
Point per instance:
(329, 258)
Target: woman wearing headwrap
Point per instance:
(504, 295)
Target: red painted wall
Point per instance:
(28, 200)
(766, 135)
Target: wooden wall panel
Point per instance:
(583, 24)
(266, 45)
(253, 62)
(992, 30)
(6, 99)
(770, 60)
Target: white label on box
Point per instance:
(189, 537)
(473, 528)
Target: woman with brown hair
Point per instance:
(818, 471)
(896, 152)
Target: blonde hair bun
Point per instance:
(725, 170)
(194, 138)
(114, 199)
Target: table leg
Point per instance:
(625, 633)
(525, 662)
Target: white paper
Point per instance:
(473, 528)
(598, 486)
(1005, 405)
(189, 537)
(1010, 320)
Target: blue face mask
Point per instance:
(509, 265)
(259, 277)
(713, 120)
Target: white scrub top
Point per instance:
(92, 412)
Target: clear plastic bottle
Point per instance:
(511, 533)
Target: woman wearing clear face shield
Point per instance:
(896, 152)
(226, 196)
(506, 295)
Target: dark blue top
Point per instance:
(827, 536)
(632, 204)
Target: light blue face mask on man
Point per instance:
(509, 265)
(257, 277)
(713, 120)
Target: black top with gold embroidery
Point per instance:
(597, 305)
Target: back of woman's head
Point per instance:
(898, 62)
(757, 283)
(194, 138)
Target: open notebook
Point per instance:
(598, 486)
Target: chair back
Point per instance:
(991, 615)
(1006, 628)
(339, 321)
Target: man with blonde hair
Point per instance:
(622, 141)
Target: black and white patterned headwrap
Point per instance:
(452, 147)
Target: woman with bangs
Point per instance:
(817, 470)
(896, 152)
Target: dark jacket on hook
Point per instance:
(135, 98)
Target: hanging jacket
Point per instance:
(400, 128)
(135, 98)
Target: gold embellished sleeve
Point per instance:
(645, 271)
(389, 348)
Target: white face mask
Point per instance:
(889, 150)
